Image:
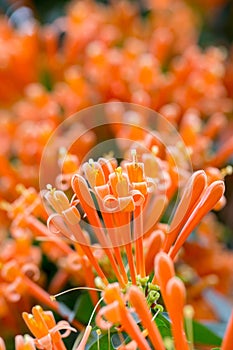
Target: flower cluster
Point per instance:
(133, 232)
(104, 56)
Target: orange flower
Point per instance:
(117, 313)
(70, 214)
(127, 197)
(211, 195)
(190, 197)
(138, 301)
(95, 54)
(173, 292)
(120, 193)
(43, 326)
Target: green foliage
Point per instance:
(163, 325)
(103, 341)
(104, 344)
(46, 80)
(204, 336)
(83, 308)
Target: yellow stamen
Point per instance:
(98, 332)
(93, 173)
(135, 170)
(99, 283)
(50, 188)
(118, 172)
(228, 170)
(92, 164)
(122, 184)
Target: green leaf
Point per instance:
(203, 335)
(83, 308)
(103, 343)
(46, 80)
(163, 325)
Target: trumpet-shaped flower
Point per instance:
(45, 330)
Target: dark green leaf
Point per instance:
(46, 80)
(203, 335)
(83, 308)
(163, 325)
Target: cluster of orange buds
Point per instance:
(21, 280)
(94, 54)
(19, 286)
(133, 60)
(199, 136)
(119, 194)
(131, 199)
(25, 130)
(117, 313)
(145, 60)
(43, 326)
(108, 27)
(120, 309)
(19, 259)
(124, 195)
(120, 312)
